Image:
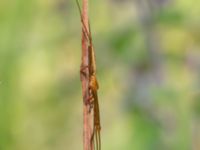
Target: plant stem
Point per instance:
(87, 117)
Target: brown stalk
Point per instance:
(87, 116)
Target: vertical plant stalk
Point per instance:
(87, 116)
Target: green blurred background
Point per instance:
(148, 63)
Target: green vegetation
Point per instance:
(148, 65)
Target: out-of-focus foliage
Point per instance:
(148, 63)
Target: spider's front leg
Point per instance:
(83, 69)
(83, 73)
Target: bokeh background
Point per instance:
(148, 59)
